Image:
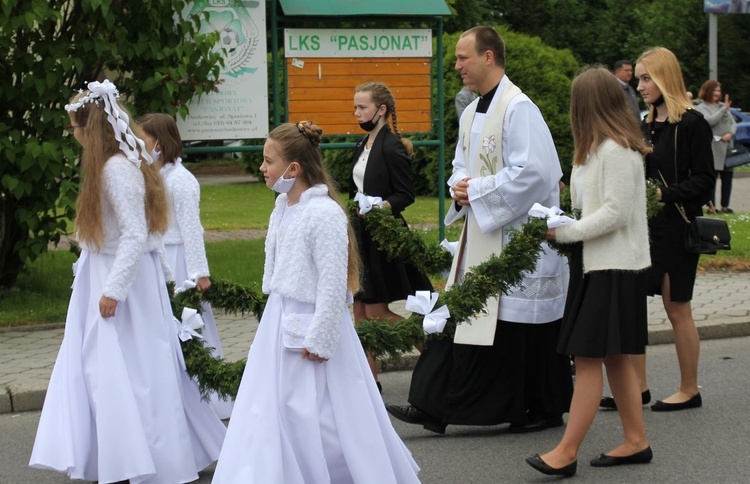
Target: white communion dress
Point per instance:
(186, 253)
(299, 421)
(119, 403)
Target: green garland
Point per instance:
(493, 277)
(215, 374)
(398, 241)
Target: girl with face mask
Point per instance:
(183, 240)
(307, 396)
(382, 168)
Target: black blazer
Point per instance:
(388, 174)
(689, 172)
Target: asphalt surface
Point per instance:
(705, 445)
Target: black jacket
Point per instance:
(689, 172)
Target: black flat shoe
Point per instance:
(537, 463)
(409, 414)
(609, 402)
(694, 402)
(642, 457)
(536, 425)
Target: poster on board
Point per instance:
(240, 109)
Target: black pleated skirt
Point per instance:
(385, 280)
(605, 312)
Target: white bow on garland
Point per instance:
(366, 202)
(191, 321)
(423, 302)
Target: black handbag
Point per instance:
(736, 156)
(706, 235)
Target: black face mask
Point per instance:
(370, 125)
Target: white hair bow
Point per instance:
(120, 122)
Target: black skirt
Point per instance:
(605, 312)
(668, 256)
(385, 280)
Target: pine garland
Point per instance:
(212, 373)
(495, 276)
(398, 241)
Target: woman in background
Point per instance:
(723, 127)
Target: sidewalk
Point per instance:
(720, 306)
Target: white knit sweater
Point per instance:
(613, 225)
(184, 193)
(124, 225)
(312, 264)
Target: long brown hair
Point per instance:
(661, 64)
(300, 142)
(381, 95)
(99, 145)
(599, 110)
(163, 128)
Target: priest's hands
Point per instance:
(460, 192)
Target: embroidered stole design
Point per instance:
(480, 329)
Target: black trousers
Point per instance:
(726, 177)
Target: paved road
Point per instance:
(706, 445)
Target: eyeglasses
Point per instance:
(71, 128)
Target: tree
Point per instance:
(49, 49)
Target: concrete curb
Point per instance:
(29, 399)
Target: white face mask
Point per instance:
(155, 155)
(283, 185)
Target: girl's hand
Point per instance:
(727, 137)
(727, 103)
(107, 307)
(312, 356)
(203, 284)
(550, 234)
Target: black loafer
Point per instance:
(536, 425)
(609, 402)
(409, 414)
(642, 457)
(694, 402)
(537, 463)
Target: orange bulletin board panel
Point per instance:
(322, 90)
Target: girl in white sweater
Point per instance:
(183, 240)
(308, 409)
(120, 405)
(605, 315)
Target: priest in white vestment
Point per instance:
(502, 367)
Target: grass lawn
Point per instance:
(43, 290)
(247, 206)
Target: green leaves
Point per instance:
(49, 49)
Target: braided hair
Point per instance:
(381, 95)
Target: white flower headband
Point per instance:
(107, 92)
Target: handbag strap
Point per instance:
(680, 207)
